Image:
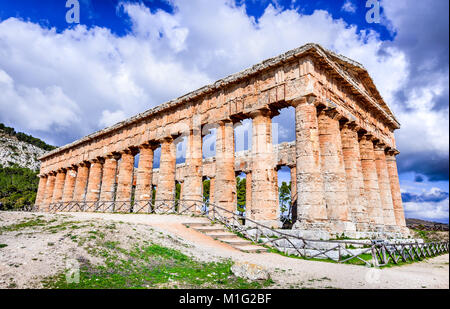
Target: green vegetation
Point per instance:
(18, 187)
(24, 224)
(151, 266)
(26, 138)
(3, 245)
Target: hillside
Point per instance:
(17, 148)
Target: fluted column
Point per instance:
(144, 177)
(50, 186)
(372, 190)
(94, 182)
(264, 175)
(40, 195)
(395, 188)
(212, 184)
(311, 210)
(124, 181)
(355, 181)
(248, 193)
(193, 181)
(333, 171)
(294, 193)
(81, 182)
(59, 186)
(108, 181)
(165, 195)
(385, 186)
(225, 182)
(69, 186)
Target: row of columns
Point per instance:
(344, 179)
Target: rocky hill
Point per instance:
(20, 149)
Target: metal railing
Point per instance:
(366, 252)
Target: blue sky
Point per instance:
(62, 81)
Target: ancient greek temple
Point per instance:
(342, 162)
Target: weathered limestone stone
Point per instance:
(59, 186)
(395, 188)
(144, 177)
(325, 165)
(249, 271)
(107, 193)
(333, 171)
(125, 178)
(248, 192)
(165, 195)
(355, 179)
(369, 169)
(212, 185)
(94, 181)
(385, 187)
(81, 182)
(311, 204)
(225, 183)
(41, 190)
(294, 192)
(192, 185)
(50, 186)
(69, 186)
(264, 176)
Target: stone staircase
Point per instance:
(219, 232)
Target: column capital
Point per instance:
(332, 113)
(97, 160)
(392, 151)
(149, 145)
(349, 124)
(308, 99)
(379, 146)
(260, 112)
(130, 150)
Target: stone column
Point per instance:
(94, 183)
(59, 186)
(165, 195)
(294, 193)
(333, 171)
(225, 186)
(71, 176)
(264, 175)
(212, 182)
(355, 181)
(385, 187)
(395, 188)
(311, 210)
(107, 192)
(143, 193)
(124, 181)
(193, 180)
(50, 186)
(369, 169)
(80, 184)
(41, 191)
(248, 193)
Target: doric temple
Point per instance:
(343, 161)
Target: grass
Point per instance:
(151, 266)
(3, 245)
(23, 225)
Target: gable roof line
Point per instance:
(221, 83)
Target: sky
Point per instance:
(62, 81)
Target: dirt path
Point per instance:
(28, 256)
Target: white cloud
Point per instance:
(81, 80)
(427, 211)
(349, 7)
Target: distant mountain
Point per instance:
(17, 148)
(425, 225)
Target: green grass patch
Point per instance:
(152, 266)
(3, 245)
(23, 225)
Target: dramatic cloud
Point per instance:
(62, 86)
(434, 195)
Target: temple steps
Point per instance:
(220, 233)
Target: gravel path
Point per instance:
(28, 257)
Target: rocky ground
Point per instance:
(114, 250)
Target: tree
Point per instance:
(206, 190)
(284, 196)
(241, 194)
